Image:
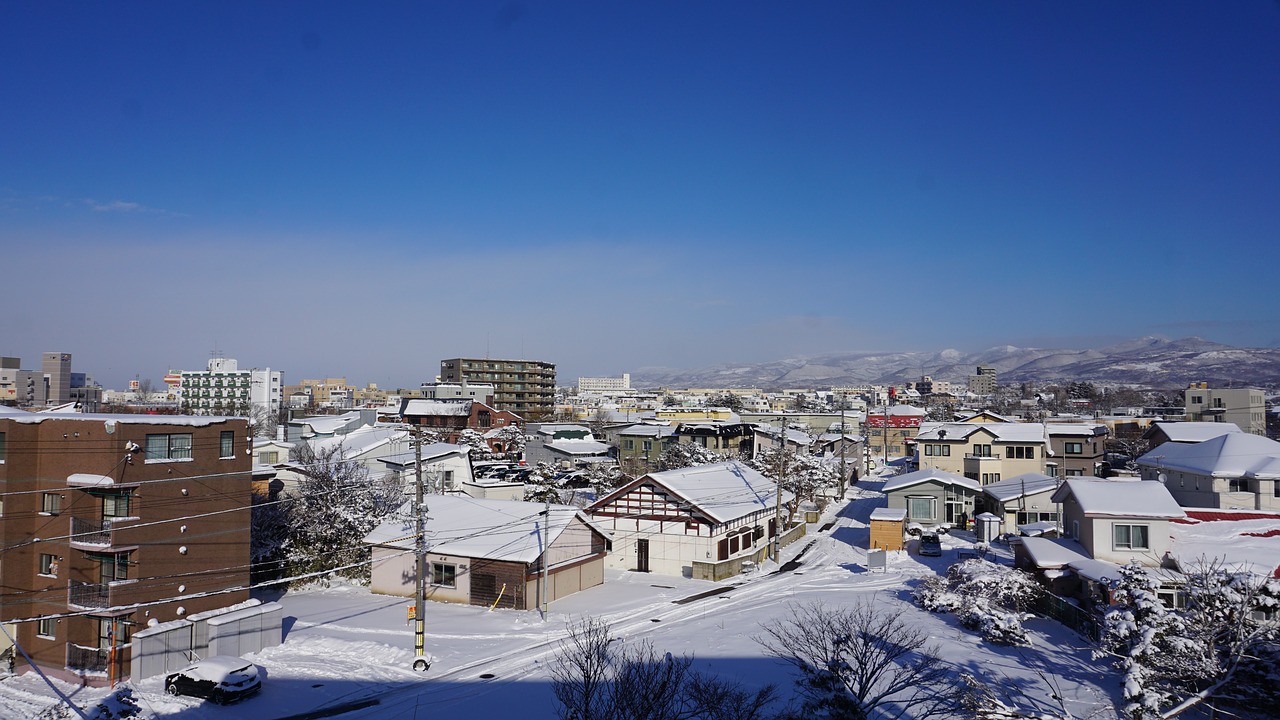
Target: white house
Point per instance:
(1023, 500)
(1118, 520)
(701, 522)
(446, 467)
(1233, 470)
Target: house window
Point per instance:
(444, 575)
(647, 445)
(1130, 537)
(1238, 485)
(226, 444)
(922, 508)
(116, 505)
(2, 447)
(269, 457)
(46, 627)
(175, 446)
(1074, 473)
(1075, 448)
(51, 504)
(981, 450)
(112, 567)
(1031, 516)
(988, 478)
(109, 627)
(48, 564)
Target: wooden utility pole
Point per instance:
(420, 661)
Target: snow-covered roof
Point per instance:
(1049, 553)
(327, 424)
(899, 410)
(889, 514)
(578, 447)
(430, 453)
(1004, 432)
(899, 482)
(1120, 498)
(553, 428)
(31, 418)
(995, 417)
(647, 430)
(263, 442)
(360, 441)
(1230, 455)
(511, 530)
(1020, 486)
(723, 491)
(1087, 430)
(794, 437)
(70, 408)
(1246, 540)
(1191, 432)
(89, 479)
(437, 408)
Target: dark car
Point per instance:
(220, 678)
(930, 545)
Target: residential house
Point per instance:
(322, 426)
(933, 497)
(1022, 500)
(492, 553)
(1118, 520)
(1234, 470)
(101, 513)
(725, 438)
(1077, 449)
(702, 522)
(449, 418)
(767, 437)
(987, 452)
(572, 454)
(890, 432)
(271, 452)
(1161, 432)
(445, 468)
(641, 446)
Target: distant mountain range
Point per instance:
(1153, 362)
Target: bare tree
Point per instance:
(593, 678)
(862, 661)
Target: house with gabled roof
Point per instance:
(1024, 500)
(1076, 449)
(702, 522)
(987, 452)
(1161, 432)
(1233, 470)
(490, 552)
(1118, 520)
(933, 497)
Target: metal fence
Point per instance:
(1073, 616)
(86, 659)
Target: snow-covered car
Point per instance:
(220, 678)
(930, 545)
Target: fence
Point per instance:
(236, 630)
(1055, 608)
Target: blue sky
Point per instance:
(363, 190)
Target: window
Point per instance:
(1032, 516)
(444, 575)
(48, 564)
(269, 457)
(1074, 473)
(1075, 448)
(46, 627)
(1, 447)
(226, 444)
(51, 504)
(107, 627)
(116, 505)
(629, 444)
(988, 478)
(1021, 452)
(647, 445)
(175, 446)
(938, 450)
(1238, 485)
(921, 508)
(981, 450)
(1130, 537)
(113, 567)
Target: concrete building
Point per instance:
(1246, 407)
(484, 392)
(524, 387)
(604, 385)
(56, 367)
(222, 388)
(983, 382)
(22, 388)
(105, 516)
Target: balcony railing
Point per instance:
(993, 456)
(87, 659)
(89, 532)
(88, 595)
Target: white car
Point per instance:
(220, 678)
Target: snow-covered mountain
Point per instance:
(1149, 361)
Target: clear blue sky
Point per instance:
(364, 189)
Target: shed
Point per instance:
(887, 528)
(988, 526)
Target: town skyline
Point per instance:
(324, 189)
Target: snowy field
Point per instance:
(346, 648)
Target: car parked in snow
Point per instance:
(930, 545)
(220, 678)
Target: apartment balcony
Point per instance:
(90, 596)
(87, 659)
(970, 456)
(91, 534)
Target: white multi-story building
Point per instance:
(604, 385)
(224, 389)
(484, 392)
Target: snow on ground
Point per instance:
(346, 647)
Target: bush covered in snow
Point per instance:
(986, 597)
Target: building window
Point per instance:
(1032, 516)
(46, 627)
(444, 575)
(51, 504)
(1075, 448)
(981, 450)
(1130, 537)
(629, 444)
(48, 564)
(922, 508)
(269, 457)
(116, 505)
(113, 567)
(226, 444)
(647, 445)
(1074, 473)
(175, 446)
(2, 447)
(1238, 485)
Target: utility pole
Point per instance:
(777, 502)
(420, 661)
(546, 550)
(842, 444)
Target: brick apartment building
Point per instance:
(524, 387)
(110, 523)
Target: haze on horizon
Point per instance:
(330, 189)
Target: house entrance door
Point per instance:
(642, 555)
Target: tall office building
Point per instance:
(56, 367)
(524, 387)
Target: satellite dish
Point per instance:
(1162, 477)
